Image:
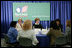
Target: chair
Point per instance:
(6, 38)
(60, 41)
(25, 42)
(68, 39)
(7, 41)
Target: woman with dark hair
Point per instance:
(12, 33)
(58, 25)
(54, 32)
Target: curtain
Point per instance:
(58, 10)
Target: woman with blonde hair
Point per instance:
(27, 32)
(27, 25)
(19, 25)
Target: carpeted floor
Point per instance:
(3, 44)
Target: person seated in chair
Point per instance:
(58, 24)
(12, 33)
(37, 24)
(27, 32)
(19, 25)
(53, 33)
(68, 31)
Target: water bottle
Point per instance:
(39, 32)
(46, 27)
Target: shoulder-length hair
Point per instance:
(27, 25)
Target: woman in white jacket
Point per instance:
(27, 32)
(19, 25)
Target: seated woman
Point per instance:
(37, 25)
(27, 32)
(12, 33)
(54, 33)
(58, 25)
(19, 25)
(68, 31)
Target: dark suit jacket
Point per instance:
(37, 26)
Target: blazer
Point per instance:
(37, 26)
(54, 34)
(12, 34)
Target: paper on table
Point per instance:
(45, 31)
(37, 31)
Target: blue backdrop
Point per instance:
(58, 9)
